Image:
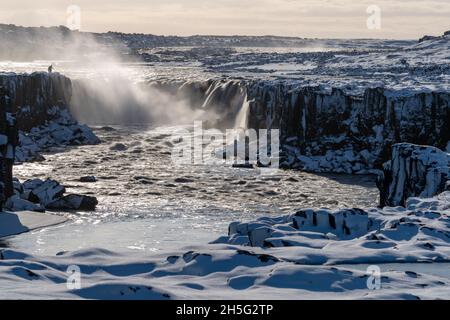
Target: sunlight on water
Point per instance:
(147, 203)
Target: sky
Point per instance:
(389, 19)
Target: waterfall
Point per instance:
(242, 116)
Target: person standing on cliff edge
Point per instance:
(50, 68)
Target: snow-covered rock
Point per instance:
(339, 224)
(301, 260)
(44, 192)
(414, 171)
(17, 203)
(418, 233)
(74, 202)
(38, 195)
(61, 129)
(40, 103)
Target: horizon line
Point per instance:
(214, 35)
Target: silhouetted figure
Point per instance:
(50, 68)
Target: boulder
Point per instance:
(16, 203)
(74, 202)
(44, 192)
(88, 179)
(118, 147)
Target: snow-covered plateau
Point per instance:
(353, 115)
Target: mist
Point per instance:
(106, 85)
(116, 99)
(109, 85)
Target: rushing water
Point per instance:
(148, 203)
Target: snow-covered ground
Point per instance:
(350, 64)
(308, 265)
(12, 223)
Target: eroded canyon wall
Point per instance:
(326, 130)
(343, 132)
(32, 96)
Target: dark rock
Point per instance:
(107, 129)
(243, 165)
(183, 180)
(88, 179)
(414, 171)
(74, 202)
(118, 147)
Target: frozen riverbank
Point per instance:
(309, 270)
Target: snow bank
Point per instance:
(12, 223)
(298, 256)
(418, 233)
(283, 268)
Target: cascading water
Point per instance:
(242, 117)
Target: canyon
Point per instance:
(352, 117)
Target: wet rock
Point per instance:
(243, 165)
(89, 162)
(88, 179)
(118, 147)
(183, 180)
(144, 180)
(107, 129)
(74, 202)
(108, 177)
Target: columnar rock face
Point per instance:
(34, 117)
(341, 132)
(40, 102)
(326, 130)
(8, 142)
(31, 96)
(414, 171)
